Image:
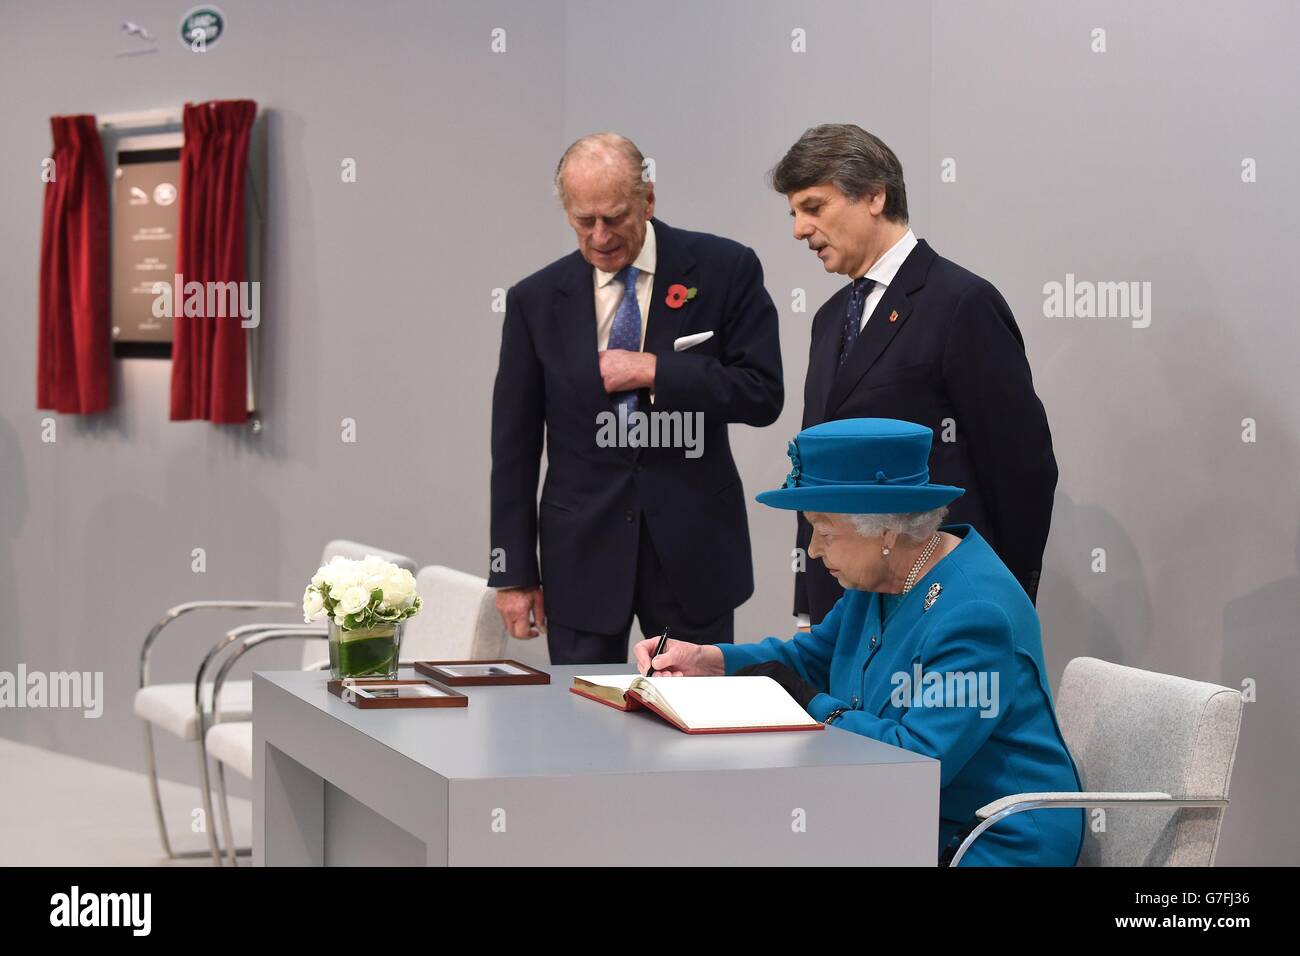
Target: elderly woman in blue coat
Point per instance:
(934, 646)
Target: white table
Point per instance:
(536, 775)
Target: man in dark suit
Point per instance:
(918, 338)
(651, 523)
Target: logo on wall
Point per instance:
(164, 194)
(202, 27)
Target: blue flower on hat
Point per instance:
(792, 479)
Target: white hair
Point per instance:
(610, 149)
(914, 524)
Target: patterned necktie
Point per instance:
(625, 333)
(853, 316)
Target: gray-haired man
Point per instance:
(659, 532)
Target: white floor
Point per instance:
(57, 810)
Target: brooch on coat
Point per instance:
(931, 596)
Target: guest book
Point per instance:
(701, 705)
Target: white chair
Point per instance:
(458, 620)
(1138, 738)
(179, 708)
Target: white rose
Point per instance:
(328, 573)
(372, 567)
(344, 578)
(399, 588)
(354, 598)
(313, 605)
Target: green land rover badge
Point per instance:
(202, 27)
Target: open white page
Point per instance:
(705, 703)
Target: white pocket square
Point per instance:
(686, 341)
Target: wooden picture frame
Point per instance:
(435, 671)
(448, 698)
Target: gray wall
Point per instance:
(1115, 166)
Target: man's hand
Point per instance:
(624, 371)
(679, 659)
(516, 604)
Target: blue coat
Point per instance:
(963, 682)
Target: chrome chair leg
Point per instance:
(156, 793)
(225, 814)
(152, 768)
(209, 816)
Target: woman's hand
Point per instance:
(679, 659)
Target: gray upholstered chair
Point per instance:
(1154, 751)
(182, 709)
(457, 621)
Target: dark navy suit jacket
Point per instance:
(548, 385)
(952, 354)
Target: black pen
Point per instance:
(663, 642)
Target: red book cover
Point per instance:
(635, 702)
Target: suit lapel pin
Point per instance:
(679, 295)
(893, 316)
(931, 596)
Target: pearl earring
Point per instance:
(884, 551)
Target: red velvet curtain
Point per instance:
(73, 345)
(209, 353)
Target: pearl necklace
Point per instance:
(920, 563)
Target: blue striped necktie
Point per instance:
(625, 333)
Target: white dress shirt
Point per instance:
(884, 270)
(609, 291)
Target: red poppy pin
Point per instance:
(679, 295)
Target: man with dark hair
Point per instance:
(666, 333)
(918, 338)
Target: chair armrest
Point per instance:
(243, 632)
(180, 609)
(999, 809)
(1058, 797)
(246, 644)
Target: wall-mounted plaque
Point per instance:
(145, 223)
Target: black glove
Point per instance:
(793, 684)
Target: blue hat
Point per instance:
(861, 466)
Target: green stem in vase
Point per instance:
(366, 651)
